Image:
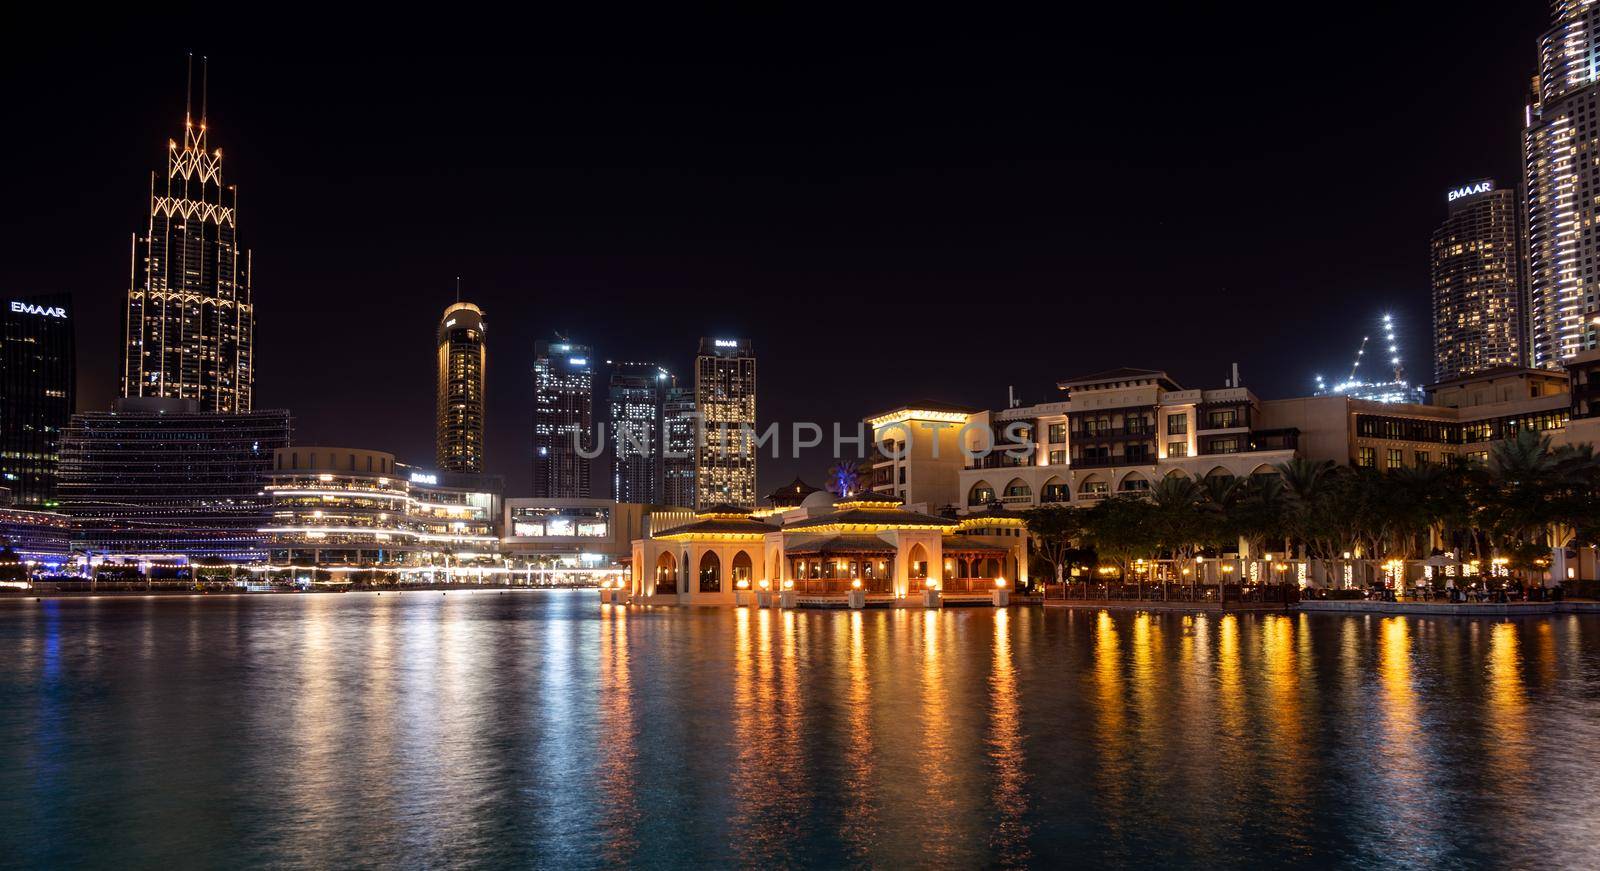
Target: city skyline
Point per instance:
(643, 250)
(1165, 438)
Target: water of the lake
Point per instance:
(542, 729)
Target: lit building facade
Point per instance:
(1478, 288)
(569, 542)
(1116, 432)
(1561, 181)
(463, 368)
(158, 476)
(680, 427)
(824, 550)
(638, 394)
(563, 420)
(342, 515)
(1123, 431)
(725, 402)
(37, 388)
(190, 318)
(41, 540)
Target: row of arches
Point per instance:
(709, 575)
(1093, 485)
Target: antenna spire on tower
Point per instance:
(458, 288)
(188, 90)
(205, 78)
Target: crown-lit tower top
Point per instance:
(190, 323)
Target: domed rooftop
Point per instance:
(819, 499)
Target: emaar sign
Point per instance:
(29, 308)
(1481, 187)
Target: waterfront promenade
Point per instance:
(1350, 606)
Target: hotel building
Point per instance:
(1123, 431)
(563, 420)
(637, 394)
(37, 387)
(725, 401)
(463, 366)
(158, 476)
(190, 318)
(355, 514)
(1561, 181)
(1478, 286)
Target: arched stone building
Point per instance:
(824, 549)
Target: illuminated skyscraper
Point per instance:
(463, 364)
(190, 323)
(1562, 185)
(638, 391)
(725, 399)
(37, 374)
(678, 426)
(1478, 316)
(563, 420)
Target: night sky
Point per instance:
(892, 211)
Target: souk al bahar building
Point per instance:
(821, 552)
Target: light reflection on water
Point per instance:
(544, 729)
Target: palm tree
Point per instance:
(1182, 521)
(844, 478)
(1257, 513)
(1426, 499)
(1304, 485)
(1536, 495)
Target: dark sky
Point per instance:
(892, 211)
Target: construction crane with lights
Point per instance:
(1396, 389)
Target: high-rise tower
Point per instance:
(38, 368)
(563, 420)
(1478, 290)
(638, 394)
(725, 400)
(463, 364)
(190, 321)
(679, 426)
(1562, 185)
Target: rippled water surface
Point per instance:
(540, 729)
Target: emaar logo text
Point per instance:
(31, 309)
(1481, 187)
